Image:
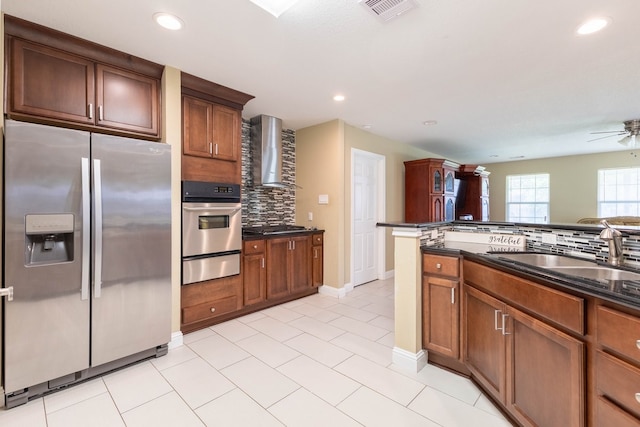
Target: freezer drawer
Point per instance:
(208, 268)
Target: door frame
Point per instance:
(380, 212)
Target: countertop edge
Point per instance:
(538, 275)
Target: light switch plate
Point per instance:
(323, 199)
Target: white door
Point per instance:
(366, 205)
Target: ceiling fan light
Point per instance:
(629, 141)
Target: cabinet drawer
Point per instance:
(441, 265)
(317, 239)
(253, 247)
(196, 293)
(209, 309)
(619, 382)
(608, 414)
(619, 332)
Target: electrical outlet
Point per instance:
(434, 234)
(310, 216)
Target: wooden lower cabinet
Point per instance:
(441, 305)
(203, 302)
(278, 267)
(288, 265)
(484, 344)
(533, 369)
(254, 272)
(317, 260)
(545, 374)
(441, 312)
(617, 368)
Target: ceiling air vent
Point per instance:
(389, 9)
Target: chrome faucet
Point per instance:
(614, 238)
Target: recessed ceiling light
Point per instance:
(274, 7)
(168, 21)
(339, 98)
(593, 25)
(430, 122)
(366, 126)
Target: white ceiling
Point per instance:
(503, 78)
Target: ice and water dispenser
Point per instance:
(49, 238)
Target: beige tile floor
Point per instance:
(316, 361)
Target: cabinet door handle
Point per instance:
(293, 245)
(255, 246)
(504, 325)
(262, 262)
(211, 148)
(216, 148)
(91, 111)
(100, 113)
(315, 253)
(638, 397)
(438, 266)
(213, 309)
(453, 295)
(495, 320)
(638, 344)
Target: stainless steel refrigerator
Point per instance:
(87, 248)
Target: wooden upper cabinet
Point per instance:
(227, 137)
(197, 127)
(56, 78)
(50, 83)
(210, 130)
(127, 101)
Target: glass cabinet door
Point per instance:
(437, 181)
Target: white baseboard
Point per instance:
(334, 292)
(348, 287)
(412, 362)
(176, 340)
(389, 274)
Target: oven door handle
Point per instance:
(203, 209)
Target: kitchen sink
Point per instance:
(547, 260)
(597, 273)
(571, 266)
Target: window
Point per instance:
(528, 198)
(619, 192)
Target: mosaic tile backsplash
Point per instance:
(569, 242)
(268, 205)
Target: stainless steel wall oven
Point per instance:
(211, 230)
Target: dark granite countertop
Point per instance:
(595, 228)
(255, 233)
(624, 292)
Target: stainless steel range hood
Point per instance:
(266, 146)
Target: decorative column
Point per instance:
(408, 352)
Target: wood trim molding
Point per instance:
(16, 27)
(213, 92)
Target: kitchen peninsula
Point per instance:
(549, 347)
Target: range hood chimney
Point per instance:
(266, 147)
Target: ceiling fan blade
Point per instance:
(603, 137)
(619, 132)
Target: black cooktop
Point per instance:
(265, 230)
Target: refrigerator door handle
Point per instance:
(97, 184)
(86, 224)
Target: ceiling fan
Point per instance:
(631, 132)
